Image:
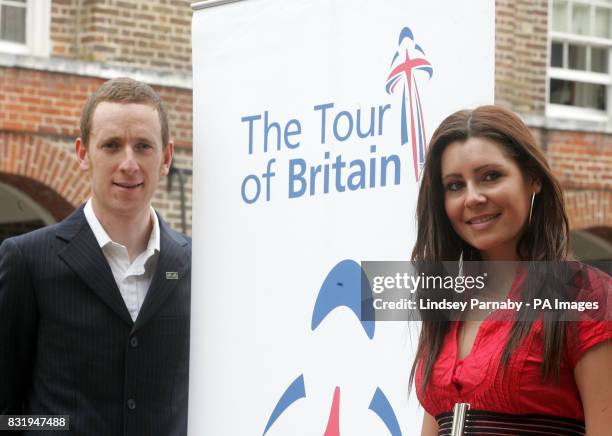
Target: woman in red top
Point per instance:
(488, 194)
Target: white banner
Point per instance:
(310, 124)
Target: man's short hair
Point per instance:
(124, 90)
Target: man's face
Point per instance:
(125, 158)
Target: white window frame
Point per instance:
(578, 113)
(38, 24)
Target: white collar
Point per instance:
(103, 238)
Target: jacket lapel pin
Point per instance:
(171, 275)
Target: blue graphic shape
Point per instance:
(395, 56)
(428, 70)
(405, 33)
(418, 47)
(391, 83)
(343, 287)
(404, 120)
(381, 406)
(421, 134)
(294, 392)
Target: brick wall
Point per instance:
(51, 103)
(521, 45)
(583, 163)
(168, 202)
(146, 33)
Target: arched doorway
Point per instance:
(19, 213)
(593, 246)
(28, 205)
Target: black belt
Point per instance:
(479, 422)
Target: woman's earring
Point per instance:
(531, 209)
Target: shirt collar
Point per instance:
(103, 238)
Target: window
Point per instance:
(13, 20)
(579, 70)
(24, 26)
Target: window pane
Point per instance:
(580, 19)
(602, 23)
(578, 94)
(12, 24)
(577, 57)
(556, 54)
(599, 59)
(559, 15)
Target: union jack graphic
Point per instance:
(408, 59)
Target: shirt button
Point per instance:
(133, 342)
(131, 404)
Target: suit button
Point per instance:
(131, 403)
(133, 342)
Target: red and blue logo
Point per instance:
(341, 288)
(408, 60)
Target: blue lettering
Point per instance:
(323, 108)
(297, 176)
(381, 113)
(267, 128)
(372, 167)
(243, 190)
(396, 166)
(357, 178)
(250, 120)
(349, 118)
(288, 133)
(337, 167)
(370, 131)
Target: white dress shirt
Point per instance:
(133, 279)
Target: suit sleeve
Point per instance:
(17, 328)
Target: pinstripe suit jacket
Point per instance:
(69, 347)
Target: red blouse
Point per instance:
(481, 380)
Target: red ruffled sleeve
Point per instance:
(592, 326)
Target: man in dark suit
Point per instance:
(94, 311)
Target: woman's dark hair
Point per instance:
(545, 239)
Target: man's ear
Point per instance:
(81, 152)
(168, 154)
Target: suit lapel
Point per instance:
(172, 259)
(84, 256)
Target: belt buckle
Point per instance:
(459, 415)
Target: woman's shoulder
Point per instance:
(590, 315)
(589, 277)
(592, 285)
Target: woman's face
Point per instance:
(486, 196)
